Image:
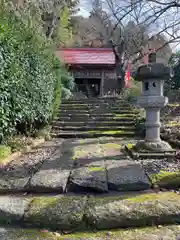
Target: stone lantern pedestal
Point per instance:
(152, 100)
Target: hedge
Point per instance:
(30, 78)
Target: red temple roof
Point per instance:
(97, 56)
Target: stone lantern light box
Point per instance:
(152, 76)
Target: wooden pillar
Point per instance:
(102, 84)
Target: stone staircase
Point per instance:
(89, 118)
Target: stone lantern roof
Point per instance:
(151, 71)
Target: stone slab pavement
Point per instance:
(54, 172)
(96, 165)
(16, 175)
(103, 166)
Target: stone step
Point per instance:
(94, 102)
(73, 213)
(94, 115)
(84, 101)
(91, 134)
(95, 111)
(92, 99)
(94, 123)
(96, 108)
(95, 118)
(94, 128)
(123, 105)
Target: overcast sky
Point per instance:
(83, 8)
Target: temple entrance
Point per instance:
(90, 87)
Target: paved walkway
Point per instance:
(169, 232)
(82, 165)
(88, 184)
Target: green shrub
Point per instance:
(133, 92)
(68, 86)
(30, 76)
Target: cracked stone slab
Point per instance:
(61, 212)
(90, 177)
(84, 142)
(87, 151)
(54, 173)
(111, 149)
(88, 154)
(12, 209)
(126, 175)
(16, 175)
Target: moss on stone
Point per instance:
(110, 132)
(153, 197)
(96, 169)
(86, 151)
(56, 212)
(125, 115)
(166, 179)
(141, 210)
(5, 151)
(113, 132)
(173, 105)
(76, 154)
(129, 146)
(122, 127)
(111, 146)
(172, 124)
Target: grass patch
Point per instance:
(5, 151)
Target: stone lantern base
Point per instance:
(160, 146)
(144, 149)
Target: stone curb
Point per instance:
(77, 213)
(14, 156)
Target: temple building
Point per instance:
(94, 69)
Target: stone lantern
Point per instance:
(152, 100)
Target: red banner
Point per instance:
(127, 76)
